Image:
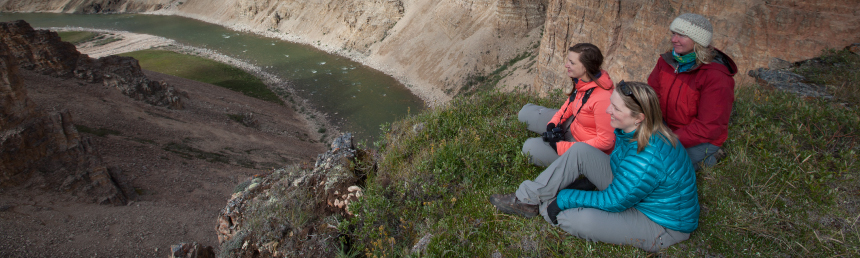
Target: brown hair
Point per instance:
(591, 58)
(649, 105)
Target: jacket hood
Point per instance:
(604, 80)
(721, 62)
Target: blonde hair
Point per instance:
(704, 55)
(649, 105)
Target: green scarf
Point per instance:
(685, 62)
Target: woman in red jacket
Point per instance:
(581, 118)
(696, 89)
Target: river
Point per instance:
(355, 97)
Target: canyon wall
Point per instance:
(633, 33)
(434, 46)
(431, 46)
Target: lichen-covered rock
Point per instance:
(294, 211)
(43, 51)
(788, 81)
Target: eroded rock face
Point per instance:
(633, 33)
(294, 211)
(43, 51)
(44, 150)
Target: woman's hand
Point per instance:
(550, 126)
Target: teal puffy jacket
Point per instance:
(659, 182)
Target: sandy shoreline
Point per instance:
(130, 42)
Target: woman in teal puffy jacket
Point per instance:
(647, 195)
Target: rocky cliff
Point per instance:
(44, 150)
(43, 51)
(434, 46)
(633, 33)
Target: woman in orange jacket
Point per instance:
(581, 118)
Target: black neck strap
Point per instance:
(570, 100)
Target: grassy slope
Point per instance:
(788, 187)
(204, 70)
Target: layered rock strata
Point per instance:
(43, 51)
(44, 150)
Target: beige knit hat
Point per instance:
(695, 26)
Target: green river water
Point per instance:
(357, 98)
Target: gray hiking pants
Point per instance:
(629, 227)
(702, 155)
(540, 152)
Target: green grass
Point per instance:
(77, 37)
(204, 70)
(787, 188)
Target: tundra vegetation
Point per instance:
(787, 188)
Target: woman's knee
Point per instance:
(581, 146)
(580, 222)
(525, 112)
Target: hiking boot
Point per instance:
(508, 203)
(719, 155)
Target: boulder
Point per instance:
(785, 80)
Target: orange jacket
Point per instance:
(591, 126)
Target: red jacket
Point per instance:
(591, 126)
(697, 103)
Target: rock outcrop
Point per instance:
(294, 211)
(788, 81)
(633, 33)
(44, 150)
(43, 51)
